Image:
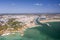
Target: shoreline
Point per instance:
(44, 21)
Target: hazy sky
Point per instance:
(29, 6)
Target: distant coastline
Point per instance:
(28, 13)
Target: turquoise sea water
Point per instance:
(43, 32)
(15, 36)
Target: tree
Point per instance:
(12, 23)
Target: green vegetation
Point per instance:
(12, 23)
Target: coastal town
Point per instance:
(19, 23)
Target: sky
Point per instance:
(29, 6)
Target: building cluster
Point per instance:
(28, 19)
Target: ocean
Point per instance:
(43, 32)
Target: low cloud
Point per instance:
(59, 4)
(38, 4)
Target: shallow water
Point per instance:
(45, 32)
(38, 33)
(15, 36)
